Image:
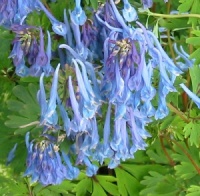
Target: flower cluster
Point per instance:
(13, 11)
(26, 50)
(111, 94)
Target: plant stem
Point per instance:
(174, 15)
(171, 162)
(30, 124)
(178, 112)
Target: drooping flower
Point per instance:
(44, 163)
(49, 115)
(191, 95)
(41, 58)
(57, 26)
(129, 12)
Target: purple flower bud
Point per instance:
(147, 4)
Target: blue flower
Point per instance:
(191, 95)
(129, 12)
(78, 14)
(47, 68)
(44, 163)
(11, 154)
(41, 58)
(49, 116)
(182, 54)
(58, 27)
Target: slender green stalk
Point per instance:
(174, 15)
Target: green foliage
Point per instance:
(192, 132)
(25, 109)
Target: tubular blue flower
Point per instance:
(58, 27)
(64, 117)
(129, 12)
(44, 163)
(89, 105)
(118, 16)
(91, 169)
(188, 63)
(22, 70)
(47, 68)
(48, 109)
(41, 58)
(78, 14)
(80, 48)
(78, 123)
(11, 154)
(69, 33)
(72, 172)
(191, 95)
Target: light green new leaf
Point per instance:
(185, 170)
(193, 190)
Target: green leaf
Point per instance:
(188, 159)
(158, 184)
(192, 132)
(195, 41)
(22, 94)
(25, 110)
(156, 153)
(64, 188)
(107, 184)
(139, 171)
(194, 73)
(185, 170)
(83, 187)
(195, 55)
(127, 184)
(97, 189)
(94, 4)
(193, 190)
(185, 6)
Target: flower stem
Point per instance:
(174, 15)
